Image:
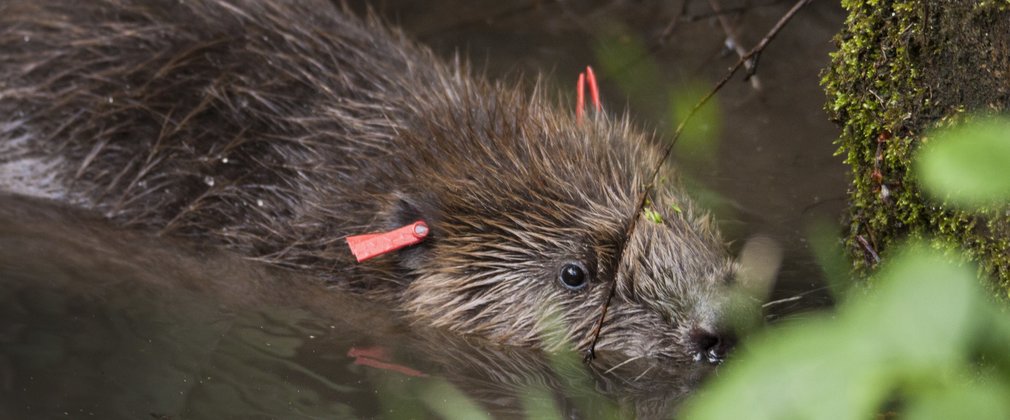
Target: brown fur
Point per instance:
(280, 128)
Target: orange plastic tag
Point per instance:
(374, 244)
(586, 77)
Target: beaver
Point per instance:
(278, 129)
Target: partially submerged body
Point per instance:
(280, 129)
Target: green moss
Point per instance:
(901, 68)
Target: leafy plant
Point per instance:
(924, 343)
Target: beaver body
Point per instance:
(280, 128)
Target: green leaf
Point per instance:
(812, 370)
(968, 164)
(989, 400)
(653, 216)
(828, 251)
(922, 314)
(446, 400)
(916, 327)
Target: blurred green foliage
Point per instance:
(924, 343)
(967, 164)
(626, 60)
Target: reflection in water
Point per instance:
(101, 323)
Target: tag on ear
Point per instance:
(594, 93)
(374, 244)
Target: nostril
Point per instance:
(711, 347)
(704, 340)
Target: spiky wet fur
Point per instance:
(279, 128)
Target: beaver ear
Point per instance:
(404, 209)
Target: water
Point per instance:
(100, 323)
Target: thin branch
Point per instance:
(667, 33)
(733, 42)
(754, 53)
(730, 11)
(868, 248)
(505, 13)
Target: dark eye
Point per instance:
(573, 276)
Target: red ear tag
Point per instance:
(586, 77)
(594, 90)
(374, 244)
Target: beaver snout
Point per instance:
(711, 347)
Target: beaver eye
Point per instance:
(573, 276)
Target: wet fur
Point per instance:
(279, 128)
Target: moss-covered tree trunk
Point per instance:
(901, 69)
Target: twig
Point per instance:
(733, 41)
(868, 248)
(667, 33)
(501, 14)
(754, 53)
(729, 11)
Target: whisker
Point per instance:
(622, 364)
(793, 298)
(781, 301)
(643, 373)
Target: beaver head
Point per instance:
(537, 233)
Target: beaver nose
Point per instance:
(710, 346)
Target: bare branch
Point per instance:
(754, 53)
(733, 41)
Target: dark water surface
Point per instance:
(100, 323)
